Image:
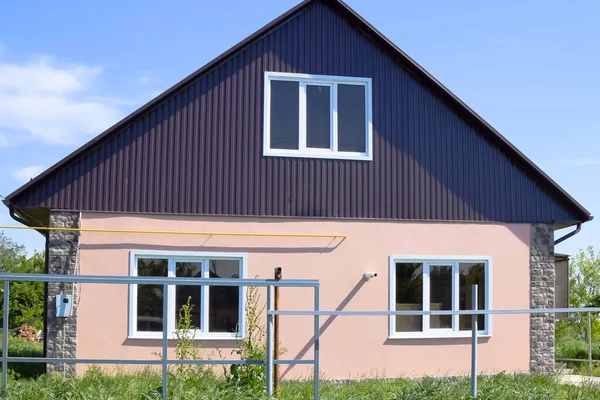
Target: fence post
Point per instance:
(276, 353)
(474, 342)
(5, 338)
(269, 360)
(589, 334)
(317, 344)
(165, 347)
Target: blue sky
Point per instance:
(70, 69)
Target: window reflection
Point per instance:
(409, 296)
(185, 292)
(471, 274)
(440, 294)
(223, 300)
(150, 297)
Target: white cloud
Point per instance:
(580, 161)
(26, 173)
(41, 77)
(52, 103)
(144, 79)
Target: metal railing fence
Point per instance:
(270, 313)
(166, 282)
(474, 334)
(590, 360)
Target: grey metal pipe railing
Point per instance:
(269, 284)
(436, 312)
(6, 294)
(474, 323)
(590, 359)
(316, 347)
(269, 368)
(165, 343)
(474, 342)
(165, 282)
(589, 337)
(156, 280)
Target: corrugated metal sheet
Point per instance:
(199, 151)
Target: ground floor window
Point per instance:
(431, 283)
(217, 311)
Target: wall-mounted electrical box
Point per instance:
(64, 305)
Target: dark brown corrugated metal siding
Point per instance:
(200, 150)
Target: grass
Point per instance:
(18, 347)
(577, 348)
(26, 382)
(146, 385)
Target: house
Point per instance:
(314, 124)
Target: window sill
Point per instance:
(197, 337)
(460, 335)
(318, 154)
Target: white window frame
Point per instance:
(321, 80)
(428, 261)
(174, 257)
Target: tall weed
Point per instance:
(252, 346)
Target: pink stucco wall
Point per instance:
(350, 346)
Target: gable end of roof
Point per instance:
(401, 58)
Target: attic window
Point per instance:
(317, 116)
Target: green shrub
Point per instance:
(185, 348)
(250, 347)
(18, 347)
(574, 348)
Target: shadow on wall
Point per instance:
(326, 324)
(387, 342)
(139, 246)
(203, 344)
(433, 342)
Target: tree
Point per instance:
(10, 252)
(26, 304)
(584, 288)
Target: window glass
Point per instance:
(471, 274)
(150, 297)
(224, 301)
(318, 116)
(185, 292)
(309, 114)
(214, 309)
(409, 296)
(351, 118)
(285, 114)
(440, 295)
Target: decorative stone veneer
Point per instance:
(61, 333)
(542, 278)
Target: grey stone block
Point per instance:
(542, 281)
(61, 334)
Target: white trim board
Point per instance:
(326, 80)
(173, 257)
(428, 261)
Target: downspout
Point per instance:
(568, 235)
(11, 211)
